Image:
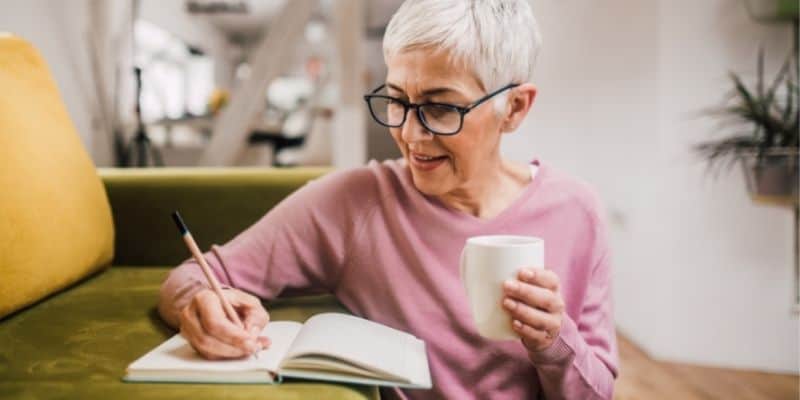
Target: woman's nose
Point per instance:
(413, 130)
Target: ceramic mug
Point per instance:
(487, 262)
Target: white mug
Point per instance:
(487, 262)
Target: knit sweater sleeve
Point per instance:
(299, 246)
(582, 363)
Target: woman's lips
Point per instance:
(425, 162)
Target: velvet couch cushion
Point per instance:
(77, 344)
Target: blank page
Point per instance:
(176, 354)
(362, 342)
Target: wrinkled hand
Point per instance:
(534, 302)
(204, 324)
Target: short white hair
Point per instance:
(498, 40)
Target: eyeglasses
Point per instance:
(437, 118)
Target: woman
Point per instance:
(385, 238)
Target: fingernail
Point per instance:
(517, 324)
(511, 304)
(265, 341)
(510, 285)
(527, 273)
(253, 331)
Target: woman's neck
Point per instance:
(489, 194)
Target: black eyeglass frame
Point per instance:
(462, 111)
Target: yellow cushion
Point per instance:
(55, 221)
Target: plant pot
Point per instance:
(772, 176)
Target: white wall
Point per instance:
(735, 277)
(57, 30)
(702, 274)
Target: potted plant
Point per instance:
(765, 139)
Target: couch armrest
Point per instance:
(217, 204)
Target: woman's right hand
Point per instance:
(204, 324)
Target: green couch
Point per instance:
(83, 252)
(77, 343)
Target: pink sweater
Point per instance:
(390, 254)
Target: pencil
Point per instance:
(212, 280)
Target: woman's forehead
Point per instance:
(421, 70)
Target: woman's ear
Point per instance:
(519, 103)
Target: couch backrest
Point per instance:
(216, 203)
(55, 221)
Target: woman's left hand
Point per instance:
(534, 302)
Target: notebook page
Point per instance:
(365, 343)
(176, 354)
(417, 363)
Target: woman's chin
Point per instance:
(428, 185)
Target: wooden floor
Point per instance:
(641, 377)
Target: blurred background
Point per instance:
(706, 267)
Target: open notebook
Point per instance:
(328, 347)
